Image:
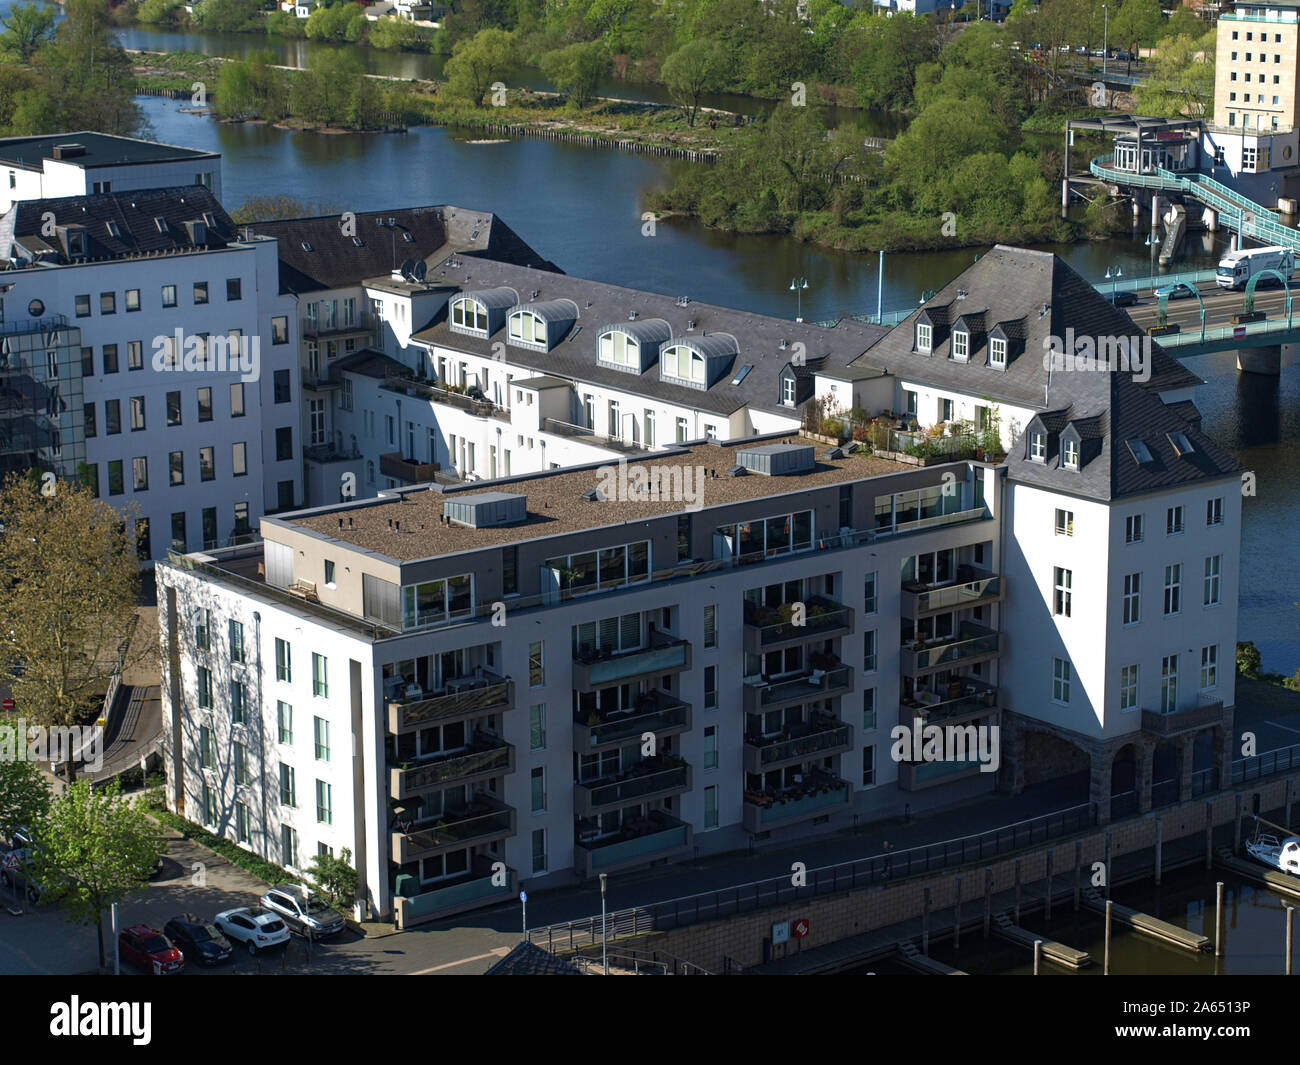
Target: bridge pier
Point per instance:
(1155, 211)
(1211, 219)
(1265, 360)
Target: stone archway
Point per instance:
(1125, 787)
(1167, 771)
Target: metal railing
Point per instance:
(880, 868)
(1280, 760)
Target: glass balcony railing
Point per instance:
(974, 697)
(983, 589)
(659, 713)
(481, 887)
(597, 794)
(598, 856)
(766, 626)
(971, 642)
(664, 655)
(792, 806)
(452, 830)
(814, 685)
(760, 756)
(488, 754)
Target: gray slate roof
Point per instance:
(528, 959)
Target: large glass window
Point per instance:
(469, 314)
(752, 541)
(436, 602)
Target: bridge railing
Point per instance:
(1138, 284)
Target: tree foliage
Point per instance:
(577, 69)
(336, 879)
(28, 27)
(1180, 80)
(476, 63)
(24, 793)
(695, 69)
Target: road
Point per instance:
(1220, 305)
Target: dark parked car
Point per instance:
(1124, 299)
(198, 940)
(149, 949)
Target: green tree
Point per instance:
(896, 48)
(695, 69)
(477, 63)
(1249, 660)
(73, 604)
(1184, 22)
(577, 69)
(1137, 25)
(336, 879)
(93, 849)
(28, 27)
(24, 794)
(278, 206)
(1180, 82)
(226, 15)
(85, 75)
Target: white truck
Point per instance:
(1238, 267)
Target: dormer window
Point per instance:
(527, 328)
(1070, 454)
(681, 362)
(960, 345)
(76, 243)
(1038, 446)
(923, 337)
(998, 353)
(620, 349)
(787, 391)
(469, 314)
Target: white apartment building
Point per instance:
(151, 292)
(472, 686)
(86, 163)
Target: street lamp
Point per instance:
(1113, 278)
(604, 929)
(797, 285)
(1152, 243)
(1105, 38)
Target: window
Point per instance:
(868, 767)
(200, 292)
(960, 345)
(1070, 453)
(1064, 522)
(329, 573)
(88, 417)
(1038, 446)
(207, 748)
(710, 687)
(324, 803)
(237, 400)
(539, 850)
(528, 329)
(205, 404)
(284, 721)
(869, 709)
(998, 353)
(1169, 684)
(283, 664)
(280, 329)
(1173, 589)
(238, 702)
(910, 399)
(470, 314)
(923, 335)
(1214, 511)
(289, 846)
(1173, 521)
(683, 428)
(202, 628)
(321, 738)
(239, 755)
(180, 542)
(83, 306)
(234, 289)
(436, 602)
(209, 806)
(649, 428)
(1062, 581)
(537, 727)
(681, 363)
(319, 676)
(536, 666)
(945, 410)
(176, 466)
(284, 443)
(1213, 564)
(116, 483)
(1060, 681)
(137, 413)
(870, 603)
(134, 355)
(236, 641)
(711, 806)
(869, 651)
(537, 780)
(169, 295)
(288, 787)
(140, 474)
(711, 747)
(1209, 667)
(788, 391)
(1132, 598)
(108, 303)
(207, 464)
(239, 459)
(1128, 688)
(110, 358)
(710, 626)
(1133, 529)
(173, 408)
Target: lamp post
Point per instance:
(604, 930)
(1113, 278)
(1152, 243)
(797, 285)
(1105, 38)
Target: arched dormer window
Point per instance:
(620, 349)
(527, 328)
(469, 315)
(682, 363)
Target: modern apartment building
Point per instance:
(543, 675)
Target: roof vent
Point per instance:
(690, 324)
(831, 454)
(593, 495)
(306, 246)
(778, 460)
(408, 236)
(962, 293)
(68, 151)
(535, 293)
(631, 316)
(485, 510)
(357, 242)
(736, 471)
(784, 344)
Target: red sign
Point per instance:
(799, 928)
(7, 705)
(1238, 331)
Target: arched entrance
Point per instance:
(1123, 782)
(1055, 765)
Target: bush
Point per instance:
(1249, 660)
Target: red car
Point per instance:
(149, 949)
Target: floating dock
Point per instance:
(910, 956)
(1258, 873)
(1148, 925)
(1052, 950)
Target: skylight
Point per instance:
(744, 372)
(1181, 444)
(1140, 451)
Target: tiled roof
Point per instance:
(527, 959)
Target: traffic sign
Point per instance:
(1238, 331)
(800, 928)
(7, 705)
(780, 932)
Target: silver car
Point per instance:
(303, 911)
(256, 929)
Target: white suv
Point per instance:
(303, 910)
(256, 929)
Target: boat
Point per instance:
(1283, 855)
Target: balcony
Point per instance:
(650, 779)
(480, 887)
(772, 628)
(815, 684)
(971, 697)
(362, 322)
(823, 795)
(480, 695)
(327, 453)
(393, 465)
(477, 404)
(971, 643)
(666, 654)
(487, 756)
(972, 588)
(482, 820)
(816, 739)
(656, 712)
(1206, 713)
(653, 839)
